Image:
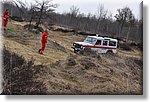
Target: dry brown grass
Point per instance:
(91, 76)
(69, 73)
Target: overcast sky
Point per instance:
(91, 6)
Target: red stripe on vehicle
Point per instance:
(98, 47)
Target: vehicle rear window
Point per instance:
(112, 43)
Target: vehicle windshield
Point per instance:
(90, 40)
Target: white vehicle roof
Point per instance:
(103, 38)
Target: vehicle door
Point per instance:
(104, 46)
(98, 45)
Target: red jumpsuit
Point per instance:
(44, 41)
(5, 19)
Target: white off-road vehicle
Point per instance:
(99, 44)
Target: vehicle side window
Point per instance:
(105, 43)
(112, 43)
(98, 42)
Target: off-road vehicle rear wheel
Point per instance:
(109, 52)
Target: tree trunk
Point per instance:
(40, 16)
(127, 37)
(121, 27)
(30, 23)
(97, 25)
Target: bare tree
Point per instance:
(131, 23)
(102, 13)
(44, 8)
(124, 15)
(74, 11)
(32, 13)
(88, 22)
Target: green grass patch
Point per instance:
(9, 30)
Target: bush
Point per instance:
(19, 76)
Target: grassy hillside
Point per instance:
(60, 71)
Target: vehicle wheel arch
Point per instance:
(109, 52)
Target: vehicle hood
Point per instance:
(83, 43)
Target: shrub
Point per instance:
(19, 75)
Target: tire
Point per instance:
(75, 51)
(110, 52)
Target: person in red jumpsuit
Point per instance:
(44, 41)
(5, 18)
